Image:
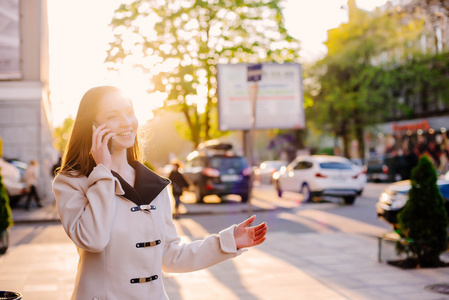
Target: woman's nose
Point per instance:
(126, 120)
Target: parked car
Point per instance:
(394, 197)
(12, 180)
(390, 169)
(215, 169)
(321, 175)
(264, 173)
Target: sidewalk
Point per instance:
(325, 265)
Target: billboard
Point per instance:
(279, 102)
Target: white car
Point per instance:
(321, 175)
(12, 180)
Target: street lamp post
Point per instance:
(254, 75)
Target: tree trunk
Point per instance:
(195, 138)
(359, 136)
(208, 106)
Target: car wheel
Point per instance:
(306, 193)
(14, 200)
(199, 196)
(244, 198)
(349, 199)
(278, 189)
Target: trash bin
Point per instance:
(10, 295)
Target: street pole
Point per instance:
(254, 75)
(253, 90)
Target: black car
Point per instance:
(214, 169)
(393, 199)
(390, 168)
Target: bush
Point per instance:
(423, 220)
(5, 209)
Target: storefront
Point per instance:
(410, 140)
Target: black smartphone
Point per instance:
(110, 140)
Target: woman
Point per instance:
(118, 212)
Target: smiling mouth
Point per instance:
(124, 133)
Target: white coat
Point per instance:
(123, 248)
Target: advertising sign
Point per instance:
(279, 101)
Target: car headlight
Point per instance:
(385, 198)
(399, 200)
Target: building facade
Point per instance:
(25, 110)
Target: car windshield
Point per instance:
(223, 163)
(335, 165)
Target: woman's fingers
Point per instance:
(258, 242)
(99, 150)
(260, 234)
(260, 226)
(98, 134)
(106, 139)
(248, 221)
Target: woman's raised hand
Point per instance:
(249, 236)
(99, 150)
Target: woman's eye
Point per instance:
(111, 117)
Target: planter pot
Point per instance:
(4, 241)
(10, 295)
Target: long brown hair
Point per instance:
(77, 161)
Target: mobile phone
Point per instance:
(110, 140)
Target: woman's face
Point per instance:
(117, 113)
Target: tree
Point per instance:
(423, 220)
(179, 44)
(5, 217)
(61, 135)
(347, 97)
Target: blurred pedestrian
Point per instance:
(31, 177)
(178, 182)
(118, 212)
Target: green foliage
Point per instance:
(425, 76)
(423, 219)
(179, 43)
(5, 209)
(352, 86)
(326, 151)
(61, 135)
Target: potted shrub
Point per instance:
(423, 221)
(5, 218)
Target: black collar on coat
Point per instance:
(147, 186)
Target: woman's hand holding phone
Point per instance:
(100, 151)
